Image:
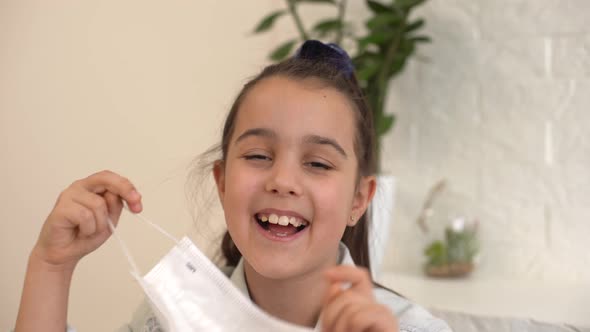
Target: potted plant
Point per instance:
(454, 255)
(379, 55)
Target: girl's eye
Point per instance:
(256, 157)
(315, 164)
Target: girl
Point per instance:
(295, 178)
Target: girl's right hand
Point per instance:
(78, 223)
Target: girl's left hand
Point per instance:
(354, 308)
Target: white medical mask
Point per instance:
(187, 292)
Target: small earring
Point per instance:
(352, 218)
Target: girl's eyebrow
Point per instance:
(316, 139)
(263, 132)
(313, 139)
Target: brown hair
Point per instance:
(331, 74)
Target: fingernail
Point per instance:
(137, 207)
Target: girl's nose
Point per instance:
(283, 181)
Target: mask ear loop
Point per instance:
(134, 269)
(153, 224)
(126, 252)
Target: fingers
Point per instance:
(78, 223)
(370, 317)
(98, 208)
(114, 206)
(107, 181)
(344, 301)
(349, 303)
(80, 216)
(358, 278)
(345, 321)
(101, 195)
(333, 290)
(351, 311)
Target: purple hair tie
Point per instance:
(316, 50)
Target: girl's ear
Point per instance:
(219, 175)
(362, 198)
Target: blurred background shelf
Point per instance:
(551, 302)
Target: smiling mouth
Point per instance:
(281, 226)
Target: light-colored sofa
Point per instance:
(462, 322)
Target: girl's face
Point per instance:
(291, 160)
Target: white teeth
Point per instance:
(284, 221)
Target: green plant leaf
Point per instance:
(434, 249)
(366, 59)
(417, 24)
(317, 1)
(377, 38)
(367, 56)
(420, 39)
(407, 5)
(267, 22)
(282, 51)
(377, 7)
(326, 26)
(436, 253)
(398, 65)
(407, 47)
(367, 71)
(383, 123)
(383, 19)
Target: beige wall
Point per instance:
(133, 86)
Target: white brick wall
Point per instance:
(475, 112)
